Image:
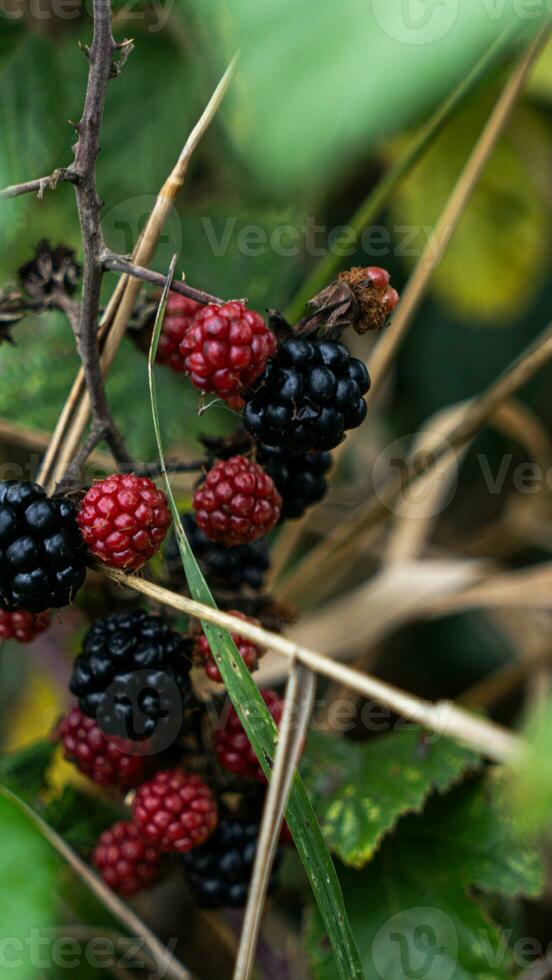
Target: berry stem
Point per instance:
(118, 263)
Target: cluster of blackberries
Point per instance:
(299, 477)
(41, 549)
(219, 872)
(132, 677)
(309, 395)
(227, 568)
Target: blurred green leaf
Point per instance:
(32, 121)
(531, 775)
(490, 271)
(540, 83)
(413, 910)
(324, 81)
(28, 877)
(359, 790)
(24, 771)
(80, 818)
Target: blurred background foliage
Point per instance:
(327, 97)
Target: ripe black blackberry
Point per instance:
(219, 871)
(133, 678)
(299, 477)
(229, 568)
(309, 395)
(41, 549)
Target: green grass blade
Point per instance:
(260, 727)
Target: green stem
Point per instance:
(376, 200)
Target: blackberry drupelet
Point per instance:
(309, 395)
(41, 549)
(299, 477)
(133, 678)
(228, 568)
(219, 872)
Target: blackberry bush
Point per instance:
(308, 397)
(41, 549)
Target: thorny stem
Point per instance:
(100, 57)
(41, 184)
(118, 263)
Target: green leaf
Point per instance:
(540, 83)
(531, 776)
(32, 122)
(320, 83)
(503, 232)
(413, 910)
(80, 818)
(24, 772)
(261, 729)
(28, 880)
(359, 790)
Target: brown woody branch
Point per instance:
(41, 184)
(118, 263)
(101, 59)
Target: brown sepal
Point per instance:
(352, 300)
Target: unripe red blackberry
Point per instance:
(124, 520)
(125, 861)
(234, 750)
(249, 652)
(23, 626)
(41, 549)
(175, 810)
(219, 872)
(226, 349)
(309, 395)
(179, 317)
(103, 760)
(237, 503)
